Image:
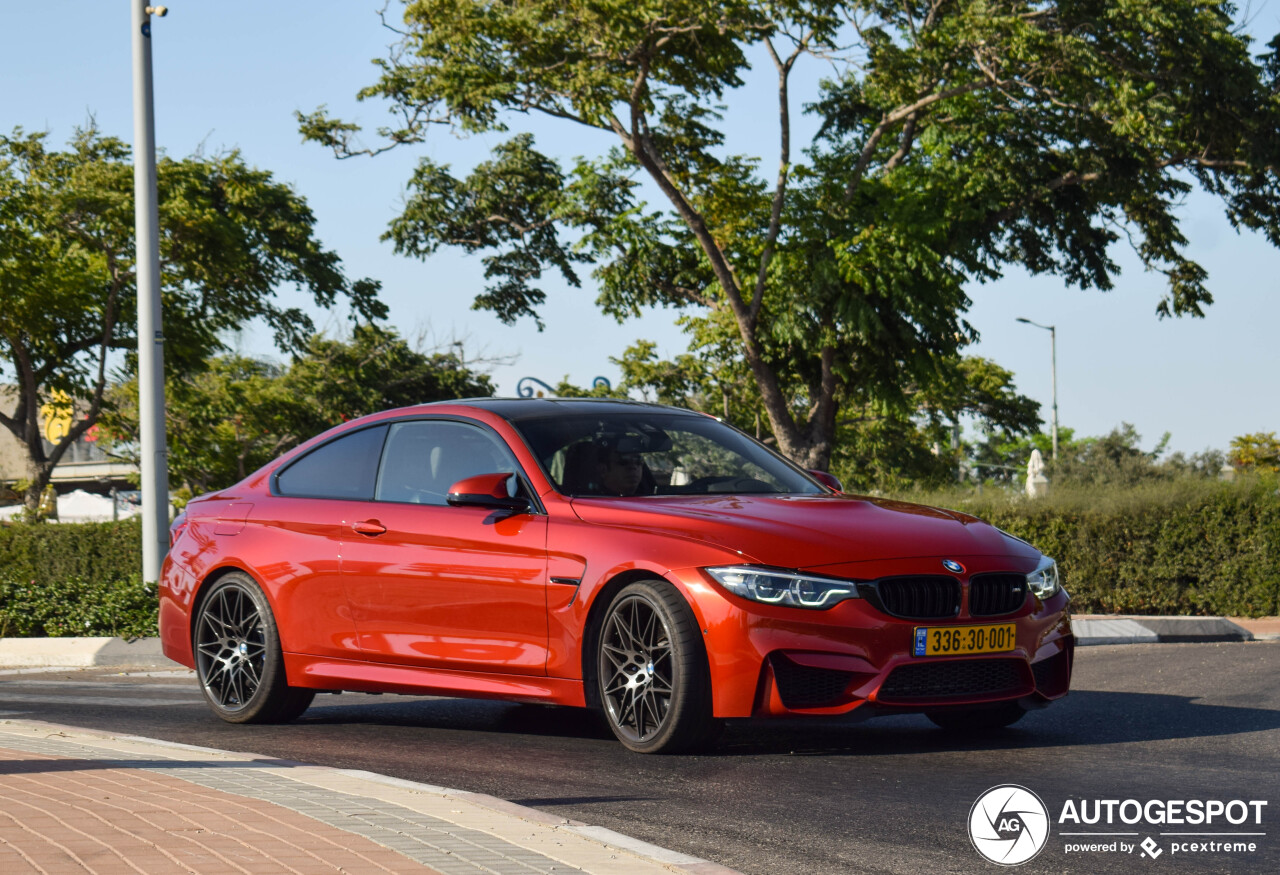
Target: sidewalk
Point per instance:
(72, 800)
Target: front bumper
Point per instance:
(768, 661)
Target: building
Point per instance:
(84, 466)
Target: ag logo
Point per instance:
(1008, 825)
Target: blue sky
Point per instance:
(229, 74)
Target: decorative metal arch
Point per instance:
(525, 388)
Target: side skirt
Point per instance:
(327, 673)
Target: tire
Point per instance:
(651, 671)
(238, 657)
(975, 719)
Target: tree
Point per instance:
(230, 235)
(1259, 451)
(1115, 459)
(958, 137)
(878, 447)
(239, 413)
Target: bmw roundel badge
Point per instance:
(953, 566)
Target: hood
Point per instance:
(808, 531)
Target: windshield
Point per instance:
(646, 453)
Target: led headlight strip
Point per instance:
(780, 586)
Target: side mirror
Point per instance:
(827, 479)
(496, 491)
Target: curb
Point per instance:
(83, 652)
(1093, 630)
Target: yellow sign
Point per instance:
(57, 416)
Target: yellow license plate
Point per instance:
(957, 640)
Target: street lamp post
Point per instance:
(1053, 370)
(153, 455)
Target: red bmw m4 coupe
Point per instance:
(652, 563)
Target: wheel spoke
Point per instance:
(617, 656)
(651, 707)
(642, 707)
(627, 716)
(620, 674)
(243, 612)
(626, 635)
(218, 682)
(215, 624)
(648, 630)
(250, 671)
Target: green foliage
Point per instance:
(1256, 452)
(230, 237)
(1185, 546)
(1112, 460)
(893, 453)
(892, 448)
(237, 414)
(879, 447)
(74, 580)
(956, 139)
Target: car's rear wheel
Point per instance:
(652, 672)
(979, 717)
(238, 657)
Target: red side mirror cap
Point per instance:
(827, 479)
(496, 491)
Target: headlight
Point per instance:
(777, 586)
(1044, 580)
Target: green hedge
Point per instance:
(1182, 547)
(1198, 547)
(74, 579)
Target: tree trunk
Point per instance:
(38, 476)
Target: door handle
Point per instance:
(368, 527)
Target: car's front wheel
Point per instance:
(238, 657)
(652, 671)
(979, 717)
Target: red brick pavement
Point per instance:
(66, 815)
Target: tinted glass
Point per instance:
(342, 468)
(424, 458)
(676, 455)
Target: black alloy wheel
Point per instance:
(652, 671)
(238, 657)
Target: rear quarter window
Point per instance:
(346, 467)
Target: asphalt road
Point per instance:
(1143, 722)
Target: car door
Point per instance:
(441, 586)
(301, 527)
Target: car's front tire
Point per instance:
(238, 658)
(651, 671)
(979, 717)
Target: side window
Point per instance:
(343, 468)
(423, 458)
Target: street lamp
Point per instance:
(1053, 368)
(153, 451)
